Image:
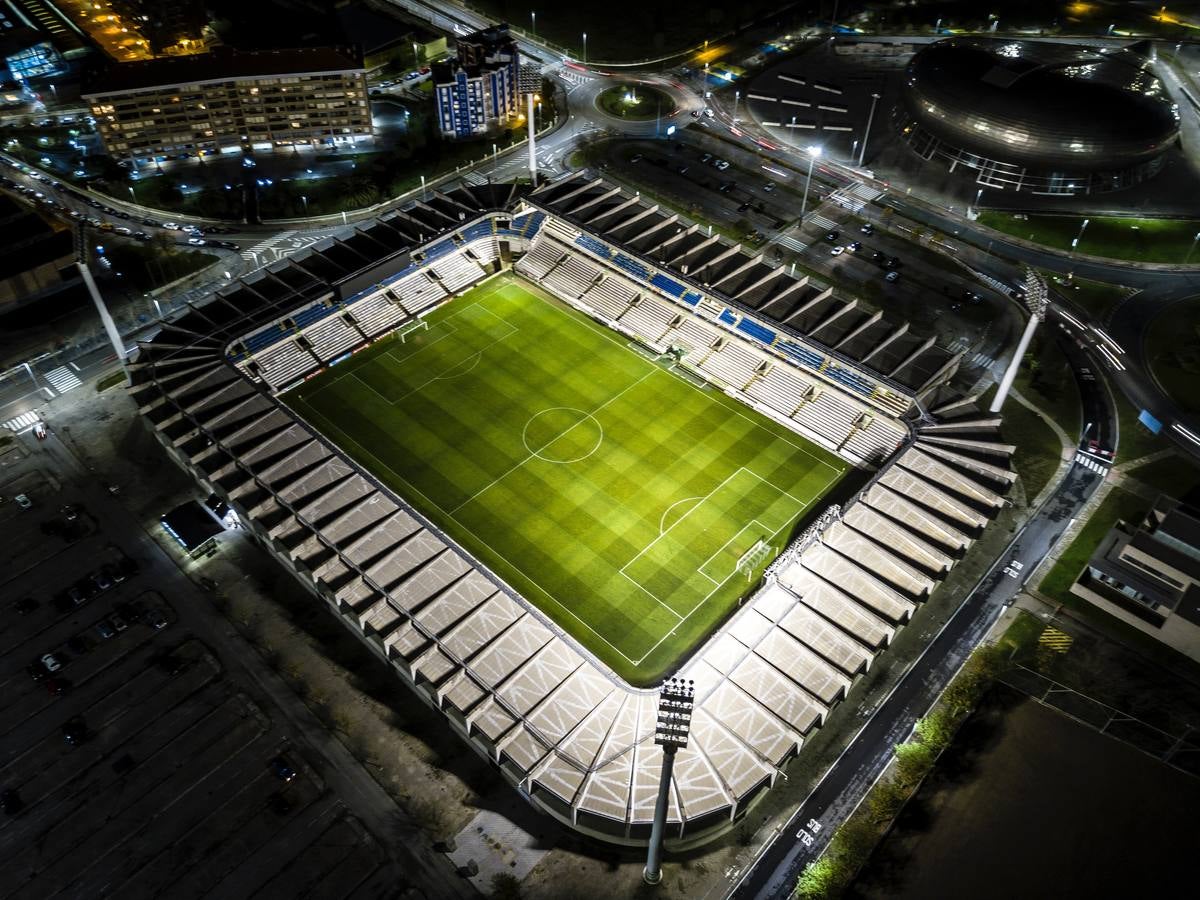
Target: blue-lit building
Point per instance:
(27, 55)
(478, 90)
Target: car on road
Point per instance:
(745, 206)
(890, 262)
(769, 186)
(708, 112)
(837, 251)
(197, 242)
(895, 276)
(831, 237)
(51, 662)
(721, 164)
(1095, 448)
(637, 157)
(854, 246)
(171, 226)
(10, 802)
(74, 731)
(282, 769)
(1086, 374)
(727, 186)
(141, 236)
(23, 501)
(867, 228)
(682, 170)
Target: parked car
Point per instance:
(101, 580)
(895, 276)
(867, 228)
(74, 731)
(51, 662)
(23, 501)
(56, 687)
(769, 186)
(831, 237)
(854, 246)
(25, 606)
(282, 769)
(105, 629)
(118, 622)
(197, 242)
(706, 158)
(37, 671)
(10, 802)
(722, 164)
(837, 251)
(156, 619)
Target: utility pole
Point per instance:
(675, 700)
(1037, 298)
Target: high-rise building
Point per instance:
(478, 90)
(228, 100)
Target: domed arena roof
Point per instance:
(1042, 105)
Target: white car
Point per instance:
(51, 662)
(837, 251)
(708, 112)
(197, 242)
(23, 501)
(174, 226)
(721, 164)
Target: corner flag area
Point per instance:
(633, 507)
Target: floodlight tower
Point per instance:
(106, 319)
(674, 719)
(529, 83)
(1037, 298)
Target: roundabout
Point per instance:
(630, 102)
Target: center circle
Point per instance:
(562, 434)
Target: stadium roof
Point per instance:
(221, 64)
(577, 739)
(745, 280)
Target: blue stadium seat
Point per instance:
(756, 331)
(667, 285)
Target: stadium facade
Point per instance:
(1039, 117)
(574, 739)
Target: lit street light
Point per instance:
(867, 131)
(132, 196)
(533, 24)
(736, 96)
(1078, 237)
(1192, 249)
(675, 699)
(585, 48)
(813, 153)
(305, 199)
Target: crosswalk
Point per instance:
(21, 423)
(792, 244)
(63, 379)
(983, 361)
(822, 222)
(251, 252)
(474, 178)
(1092, 463)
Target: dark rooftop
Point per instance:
(221, 64)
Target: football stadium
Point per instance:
(542, 448)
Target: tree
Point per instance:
(913, 761)
(935, 730)
(505, 886)
(817, 880)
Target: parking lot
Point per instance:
(134, 759)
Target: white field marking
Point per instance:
(719, 550)
(561, 462)
(474, 358)
(522, 462)
(520, 571)
(612, 336)
(706, 597)
(662, 520)
(443, 376)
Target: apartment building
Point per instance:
(230, 100)
(478, 90)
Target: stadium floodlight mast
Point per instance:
(867, 131)
(813, 152)
(1037, 298)
(675, 700)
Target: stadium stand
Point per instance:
(576, 740)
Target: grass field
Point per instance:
(611, 492)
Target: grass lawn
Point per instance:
(1146, 240)
(1172, 475)
(1173, 352)
(1046, 379)
(1022, 635)
(1119, 504)
(614, 494)
(1099, 298)
(634, 102)
(1038, 447)
(1135, 440)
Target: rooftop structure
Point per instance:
(229, 100)
(1036, 116)
(36, 260)
(577, 740)
(1148, 574)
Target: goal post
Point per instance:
(758, 554)
(405, 330)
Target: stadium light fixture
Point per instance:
(675, 700)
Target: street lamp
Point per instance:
(1192, 249)
(132, 196)
(533, 24)
(493, 156)
(867, 132)
(737, 95)
(585, 48)
(305, 199)
(1078, 237)
(675, 700)
(813, 152)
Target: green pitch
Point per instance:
(610, 491)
